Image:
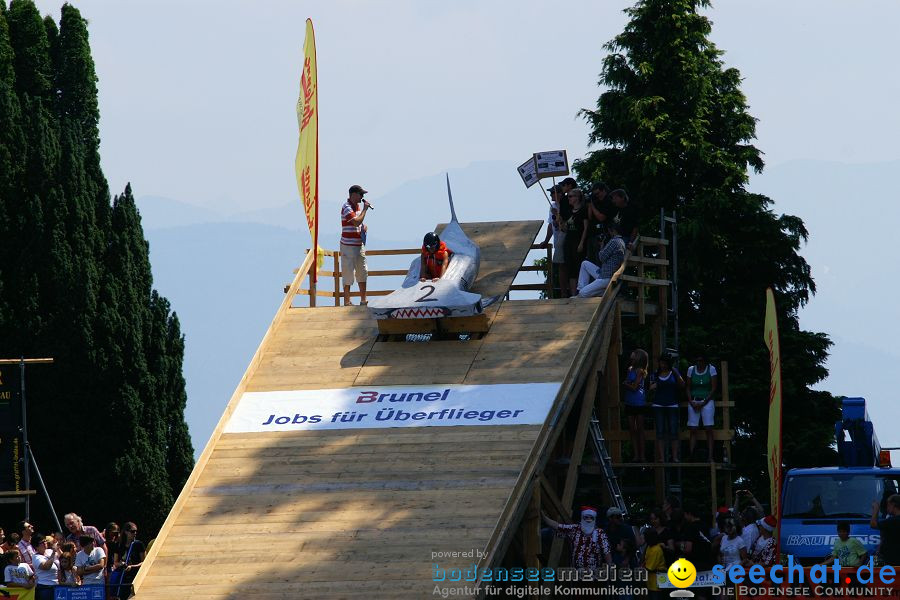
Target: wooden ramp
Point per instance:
(367, 513)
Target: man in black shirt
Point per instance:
(564, 187)
(597, 236)
(701, 547)
(890, 529)
(619, 209)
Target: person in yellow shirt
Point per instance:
(654, 562)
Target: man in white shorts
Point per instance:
(702, 383)
(353, 243)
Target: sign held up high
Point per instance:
(544, 164)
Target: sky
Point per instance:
(197, 100)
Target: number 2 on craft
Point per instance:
(430, 291)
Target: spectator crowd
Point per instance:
(83, 555)
(738, 535)
(591, 233)
(659, 394)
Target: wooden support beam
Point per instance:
(630, 306)
(27, 361)
(656, 337)
(650, 435)
(474, 324)
(531, 529)
(533, 287)
(664, 274)
(665, 465)
(659, 485)
(642, 317)
(563, 513)
(713, 487)
(324, 294)
(726, 411)
(584, 421)
(393, 252)
(612, 398)
(642, 281)
(649, 241)
(336, 274)
(634, 260)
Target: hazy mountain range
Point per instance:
(224, 272)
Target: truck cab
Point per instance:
(815, 500)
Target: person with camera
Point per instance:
(597, 200)
(619, 209)
(574, 246)
(353, 243)
(889, 526)
(45, 565)
(593, 278)
(750, 513)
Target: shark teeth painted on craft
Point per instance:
(419, 313)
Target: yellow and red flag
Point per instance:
(306, 164)
(774, 443)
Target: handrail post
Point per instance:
(549, 271)
(312, 283)
(337, 278)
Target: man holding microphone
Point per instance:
(353, 237)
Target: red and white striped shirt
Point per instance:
(351, 235)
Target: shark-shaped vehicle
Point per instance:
(446, 297)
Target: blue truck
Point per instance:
(815, 500)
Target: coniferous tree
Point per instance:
(674, 129)
(106, 421)
(12, 150)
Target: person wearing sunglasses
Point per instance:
(127, 559)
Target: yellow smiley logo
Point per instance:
(682, 573)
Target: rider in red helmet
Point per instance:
(435, 258)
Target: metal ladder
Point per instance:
(612, 482)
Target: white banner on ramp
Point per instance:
(398, 406)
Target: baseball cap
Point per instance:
(358, 189)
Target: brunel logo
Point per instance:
(366, 397)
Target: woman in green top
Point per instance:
(702, 384)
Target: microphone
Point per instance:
(369, 204)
